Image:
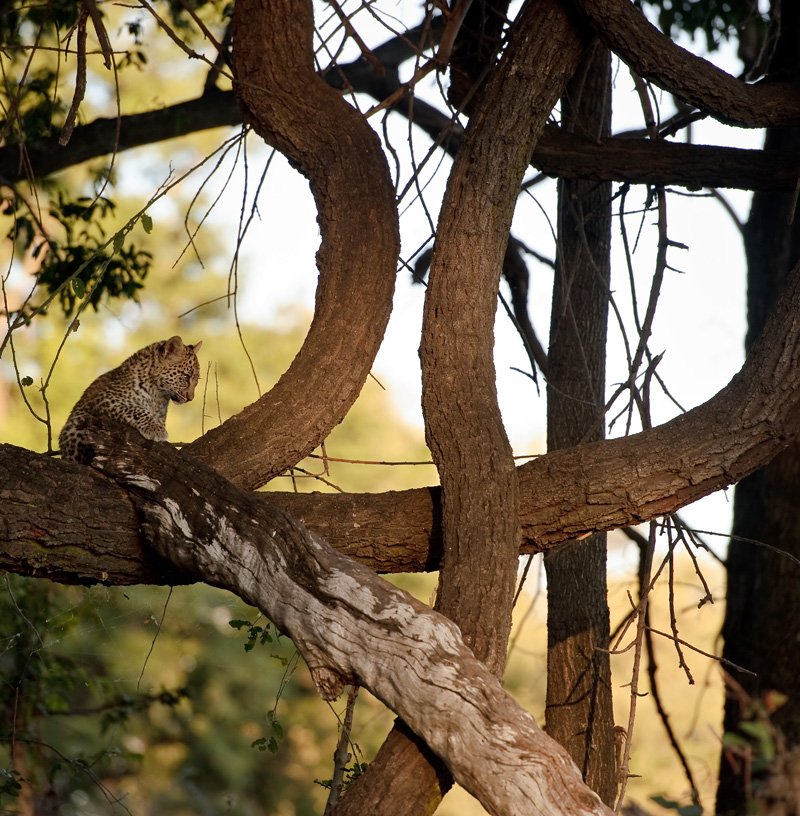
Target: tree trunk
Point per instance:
(480, 493)
(762, 616)
(578, 708)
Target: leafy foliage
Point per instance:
(81, 265)
(351, 773)
(255, 633)
(716, 21)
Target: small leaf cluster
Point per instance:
(255, 633)
(351, 773)
(272, 742)
(692, 809)
(37, 108)
(716, 21)
(9, 783)
(127, 705)
(81, 266)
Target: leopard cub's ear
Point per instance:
(196, 347)
(171, 347)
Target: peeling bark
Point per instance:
(348, 624)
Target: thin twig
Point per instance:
(100, 31)
(349, 28)
(155, 637)
(80, 79)
(644, 594)
(341, 755)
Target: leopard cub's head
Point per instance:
(176, 368)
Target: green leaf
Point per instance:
(119, 239)
(26, 381)
(758, 730)
(669, 804)
(78, 287)
(147, 223)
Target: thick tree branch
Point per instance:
(654, 56)
(333, 145)
(557, 153)
(563, 495)
(473, 456)
(348, 624)
(636, 161)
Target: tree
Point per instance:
(348, 626)
(761, 582)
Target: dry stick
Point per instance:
(641, 350)
(403, 89)
(454, 23)
(205, 29)
(80, 80)
(721, 660)
(683, 531)
(341, 756)
(652, 669)
(356, 37)
(100, 31)
(179, 42)
(673, 618)
(644, 593)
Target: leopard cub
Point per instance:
(137, 392)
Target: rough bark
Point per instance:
(563, 495)
(333, 145)
(654, 56)
(557, 153)
(762, 583)
(578, 710)
(463, 426)
(348, 624)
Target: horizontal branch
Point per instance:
(58, 520)
(558, 153)
(636, 161)
(349, 625)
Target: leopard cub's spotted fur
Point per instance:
(137, 392)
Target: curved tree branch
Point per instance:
(654, 56)
(332, 144)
